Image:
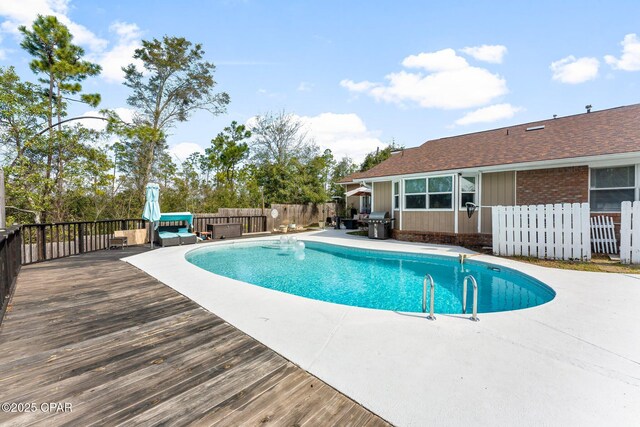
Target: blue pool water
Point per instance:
(368, 278)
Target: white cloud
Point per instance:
(182, 150)
(343, 134)
(486, 53)
(574, 70)
(630, 59)
(305, 87)
(3, 52)
(121, 54)
(357, 87)
(489, 114)
(442, 60)
(111, 57)
(22, 12)
(451, 84)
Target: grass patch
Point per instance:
(358, 233)
(598, 263)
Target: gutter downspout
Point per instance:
(455, 201)
(479, 192)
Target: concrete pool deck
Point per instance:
(572, 361)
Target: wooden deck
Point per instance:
(119, 347)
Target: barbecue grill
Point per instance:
(379, 225)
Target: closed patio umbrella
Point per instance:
(152, 208)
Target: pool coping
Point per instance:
(569, 361)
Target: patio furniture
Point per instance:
(172, 234)
(137, 236)
(118, 242)
(224, 231)
(350, 224)
(204, 235)
(167, 236)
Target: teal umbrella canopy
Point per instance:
(152, 205)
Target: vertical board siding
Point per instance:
(498, 189)
(381, 196)
(560, 231)
(467, 225)
(435, 221)
(630, 233)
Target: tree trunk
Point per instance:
(46, 188)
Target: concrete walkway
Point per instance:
(574, 361)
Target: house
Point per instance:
(592, 157)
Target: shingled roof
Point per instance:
(612, 131)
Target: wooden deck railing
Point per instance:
(10, 247)
(42, 242)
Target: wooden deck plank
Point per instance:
(124, 349)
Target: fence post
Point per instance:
(625, 233)
(634, 220)
(42, 247)
(586, 231)
(495, 229)
(80, 238)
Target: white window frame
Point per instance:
(475, 192)
(405, 194)
(396, 207)
(635, 187)
(427, 193)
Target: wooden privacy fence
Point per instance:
(630, 233)
(250, 223)
(10, 246)
(559, 231)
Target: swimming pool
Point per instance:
(370, 278)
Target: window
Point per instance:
(467, 190)
(365, 204)
(415, 191)
(440, 192)
(429, 193)
(612, 186)
(396, 195)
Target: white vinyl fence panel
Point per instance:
(560, 231)
(630, 233)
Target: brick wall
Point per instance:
(473, 241)
(558, 185)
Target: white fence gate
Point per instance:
(603, 235)
(630, 233)
(560, 231)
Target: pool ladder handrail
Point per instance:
(474, 315)
(428, 279)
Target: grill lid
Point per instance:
(379, 215)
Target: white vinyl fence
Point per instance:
(560, 231)
(630, 233)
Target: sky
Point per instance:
(361, 74)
